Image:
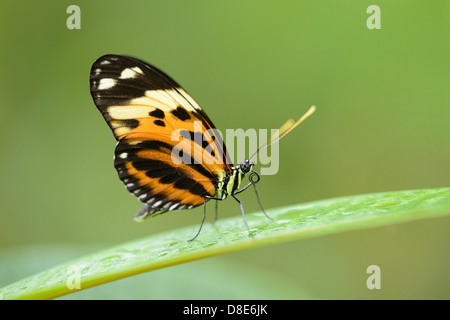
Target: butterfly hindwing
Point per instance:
(155, 121)
(147, 170)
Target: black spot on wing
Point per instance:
(181, 114)
(157, 113)
(159, 123)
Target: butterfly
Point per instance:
(144, 108)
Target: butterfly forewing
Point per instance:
(155, 121)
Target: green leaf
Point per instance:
(293, 222)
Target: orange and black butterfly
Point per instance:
(144, 108)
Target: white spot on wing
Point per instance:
(123, 155)
(167, 205)
(129, 73)
(142, 196)
(106, 83)
(105, 62)
(138, 70)
(157, 203)
(161, 99)
(135, 112)
(153, 103)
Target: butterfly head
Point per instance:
(246, 166)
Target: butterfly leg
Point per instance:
(201, 225)
(243, 214)
(240, 190)
(260, 205)
(217, 205)
(217, 215)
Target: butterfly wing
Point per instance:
(169, 154)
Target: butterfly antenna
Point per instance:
(285, 129)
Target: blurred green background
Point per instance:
(382, 124)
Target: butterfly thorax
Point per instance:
(230, 183)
